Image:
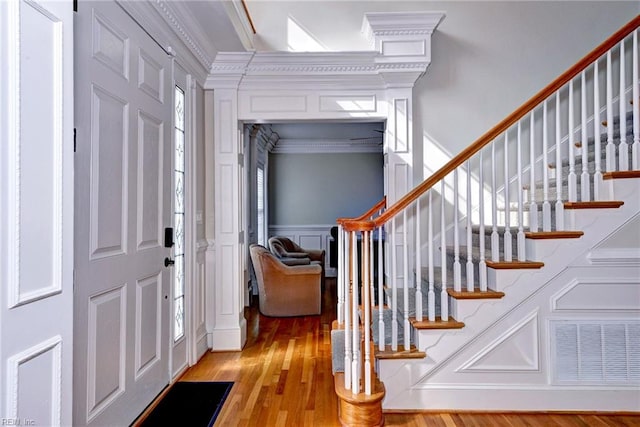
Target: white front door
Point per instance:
(123, 201)
(36, 212)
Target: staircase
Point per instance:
(492, 292)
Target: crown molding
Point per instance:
(402, 54)
(308, 146)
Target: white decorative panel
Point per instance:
(110, 46)
(401, 128)
(225, 127)
(310, 241)
(150, 76)
(109, 159)
(595, 352)
(598, 294)
(148, 321)
(35, 149)
(200, 296)
(346, 103)
(107, 349)
(228, 257)
(150, 185)
(517, 349)
(401, 180)
(34, 381)
(278, 104)
(404, 47)
(226, 199)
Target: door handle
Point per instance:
(168, 261)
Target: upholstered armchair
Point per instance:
(283, 290)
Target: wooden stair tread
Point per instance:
(437, 324)
(621, 175)
(400, 353)
(537, 235)
(476, 294)
(514, 265)
(608, 204)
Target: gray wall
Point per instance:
(319, 188)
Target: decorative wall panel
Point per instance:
(613, 295)
(280, 104)
(109, 171)
(348, 103)
(34, 378)
(35, 169)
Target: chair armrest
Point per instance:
(296, 255)
(295, 261)
(303, 269)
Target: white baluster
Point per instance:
(366, 308)
(355, 327)
(405, 279)
(623, 148)
(371, 266)
(597, 176)
(457, 270)
(495, 237)
(610, 152)
(418, 264)
(348, 354)
(469, 265)
(635, 148)
(444, 297)
(381, 327)
(482, 264)
(341, 267)
(559, 201)
(431, 297)
(394, 287)
(520, 235)
(507, 238)
(546, 206)
(585, 187)
(533, 206)
(573, 182)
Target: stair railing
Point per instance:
(502, 195)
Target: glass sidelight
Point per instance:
(178, 219)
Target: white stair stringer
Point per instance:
(455, 374)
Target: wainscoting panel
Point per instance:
(150, 181)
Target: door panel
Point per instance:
(123, 175)
(36, 212)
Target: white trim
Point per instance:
(618, 256)
(327, 146)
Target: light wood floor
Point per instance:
(283, 378)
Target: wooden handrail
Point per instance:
(367, 215)
(504, 125)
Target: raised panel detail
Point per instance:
(310, 241)
(345, 103)
(517, 349)
(34, 380)
(598, 294)
(150, 76)
(404, 47)
(226, 199)
(109, 159)
(228, 257)
(150, 185)
(401, 128)
(35, 172)
(110, 46)
(225, 127)
(278, 104)
(106, 349)
(148, 321)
